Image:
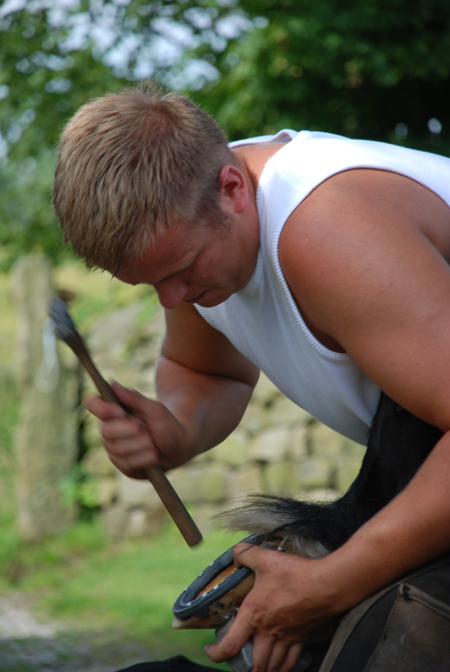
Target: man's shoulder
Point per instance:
(343, 240)
(356, 208)
(340, 206)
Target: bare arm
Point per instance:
(202, 379)
(203, 386)
(369, 281)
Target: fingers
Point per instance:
(292, 657)
(271, 655)
(132, 399)
(244, 549)
(103, 410)
(268, 654)
(238, 634)
(277, 657)
(126, 439)
(268, 614)
(118, 429)
(132, 457)
(149, 434)
(250, 555)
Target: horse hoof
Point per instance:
(216, 593)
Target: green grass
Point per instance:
(90, 583)
(81, 577)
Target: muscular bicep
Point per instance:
(368, 277)
(192, 342)
(397, 329)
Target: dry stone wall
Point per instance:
(277, 448)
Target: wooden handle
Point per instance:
(155, 475)
(174, 505)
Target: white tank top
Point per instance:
(262, 320)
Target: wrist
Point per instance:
(335, 577)
(356, 570)
(367, 562)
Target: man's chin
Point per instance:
(209, 300)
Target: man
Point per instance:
(320, 260)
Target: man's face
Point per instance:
(197, 264)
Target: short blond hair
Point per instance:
(130, 164)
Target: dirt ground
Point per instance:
(31, 645)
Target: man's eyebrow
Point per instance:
(180, 270)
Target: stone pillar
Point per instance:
(45, 440)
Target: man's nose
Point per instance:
(171, 292)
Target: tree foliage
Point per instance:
(377, 69)
(55, 55)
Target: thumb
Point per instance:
(132, 399)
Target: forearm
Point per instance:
(412, 530)
(208, 406)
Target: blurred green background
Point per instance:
(376, 69)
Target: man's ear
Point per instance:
(233, 189)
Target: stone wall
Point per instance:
(277, 448)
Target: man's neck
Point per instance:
(255, 157)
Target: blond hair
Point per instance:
(132, 163)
